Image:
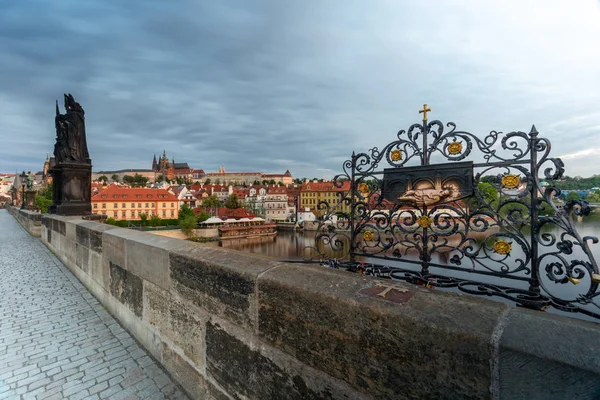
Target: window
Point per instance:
(172, 204)
(132, 205)
(139, 205)
(164, 205)
(133, 214)
(115, 214)
(116, 205)
(152, 205)
(95, 205)
(146, 205)
(123, 214)
(124, 205)
(164, 213)
(172, 213)
(103, 212)
(103, 205)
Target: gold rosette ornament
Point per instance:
(455, 148)
(368, 235)
(424, 221)
(511, 181)
(363, 188)
(502, 247)
(396, 155)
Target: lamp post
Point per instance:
(23, 177)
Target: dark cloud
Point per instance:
(258, 85)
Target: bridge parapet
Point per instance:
(233, 325)
(30, 220)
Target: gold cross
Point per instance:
(424, 111)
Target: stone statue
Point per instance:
(71, 144)
(29, 181)
(72, 170)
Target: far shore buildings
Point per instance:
(246, 178)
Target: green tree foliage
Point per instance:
(111, 221)
(187, 225)
(144, 219)
(103, 178)
(42, 203)
(232, 202)
(256, 183)
(211, 201)
(203, 216)
(594, 197)
(155, 221)
(573, 196)
(207, 181)
(577, 183)
(135, 181)
(185, 211)
(115, 178)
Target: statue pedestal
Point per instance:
(71, 189)
(30, 199)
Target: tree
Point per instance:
(203, 216)
(217, 182)
(102, 178)
(185, 211)
(280, 183)
(128, 179)
(111, 221)
(573, 196)
(207, 181)
(115, 178)
(211, 201)
(187, 225)
(256, 183)
(272, 182)
(42, 203)
(232, 202)
(155, 220)
(144, 219)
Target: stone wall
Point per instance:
(229, 325)
(31, 221)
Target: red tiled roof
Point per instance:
(198, 171)
(115, 192)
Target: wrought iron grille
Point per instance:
(482, 220)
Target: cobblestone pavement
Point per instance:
(56, 340)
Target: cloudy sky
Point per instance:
(275, 85)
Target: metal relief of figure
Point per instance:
(29, 181)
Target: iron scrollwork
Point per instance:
(501, 226)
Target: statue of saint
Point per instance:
(71, 144)
(29, 181)
(426, 197)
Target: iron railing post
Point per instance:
(534, 214)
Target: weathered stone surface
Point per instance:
(49, 235)
(220, 281)
(157, 303)
(114, 249)
(541, 357)
(95, 233)
(188, 331)
(127, 288)
(434, 346)
(190, 378)
(148, 257)
(83, 256)
(247, 374)
(82, 235)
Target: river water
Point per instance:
(289, 245)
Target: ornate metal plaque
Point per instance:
(428, 185)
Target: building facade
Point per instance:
(123, 203)
(312, 193)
